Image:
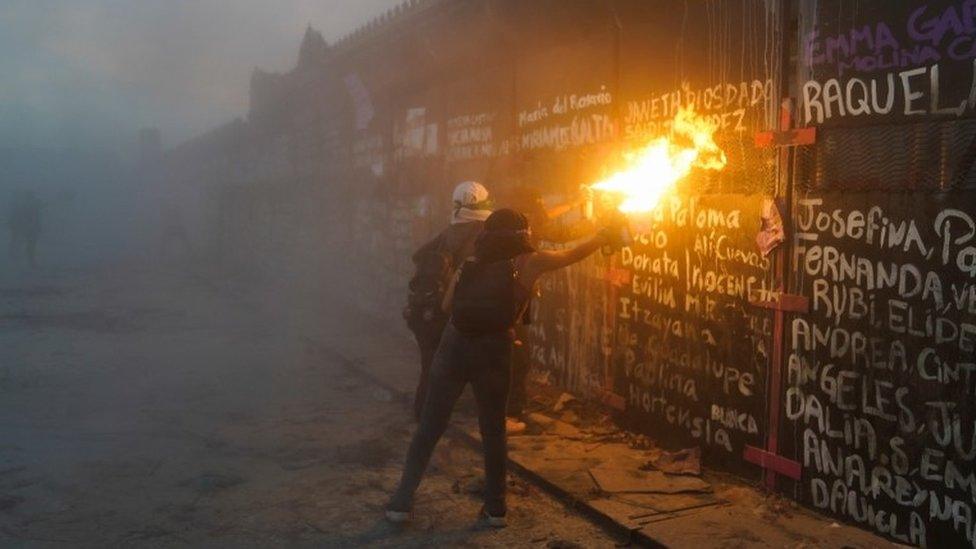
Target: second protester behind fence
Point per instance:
(486, 300)
(435, 262)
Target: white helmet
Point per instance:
(471, 202)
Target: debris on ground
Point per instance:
(770, 507)
(682, 462)
(519, 487)
(775, 506)
(641, 442)
(539, 420)
(514, 426)
(616, 479)
(555, 427)
(564, 399)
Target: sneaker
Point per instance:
(397, 517)
(495, 521)
(514, 426)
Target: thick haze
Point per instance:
(82, 72)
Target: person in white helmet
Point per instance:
(435, 263)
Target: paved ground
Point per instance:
(157, 410)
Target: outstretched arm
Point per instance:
(538, 263)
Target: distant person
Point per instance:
(174, 239)
(486, 299)
(435, 262)
(24, 224)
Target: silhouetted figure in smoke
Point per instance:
(24, 223)
(435, 262)
(174, 239)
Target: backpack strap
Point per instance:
(451, 286)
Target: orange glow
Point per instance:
(652, 172)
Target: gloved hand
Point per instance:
(616, 233)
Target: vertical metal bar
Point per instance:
(784, 188)
(611, 306)
(775, 366)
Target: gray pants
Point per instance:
(484, 361)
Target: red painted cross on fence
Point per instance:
(768, 458)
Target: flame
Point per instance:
(654, 170)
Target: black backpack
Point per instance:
(427, 288)
(485, 298)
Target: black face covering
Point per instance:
(506, 236)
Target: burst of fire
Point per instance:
(654, 170)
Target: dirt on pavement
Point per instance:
(155, 409)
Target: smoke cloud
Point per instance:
(83, 71)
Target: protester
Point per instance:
(486, 299)
(24, 224)
(435, 262)
(174, 240)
